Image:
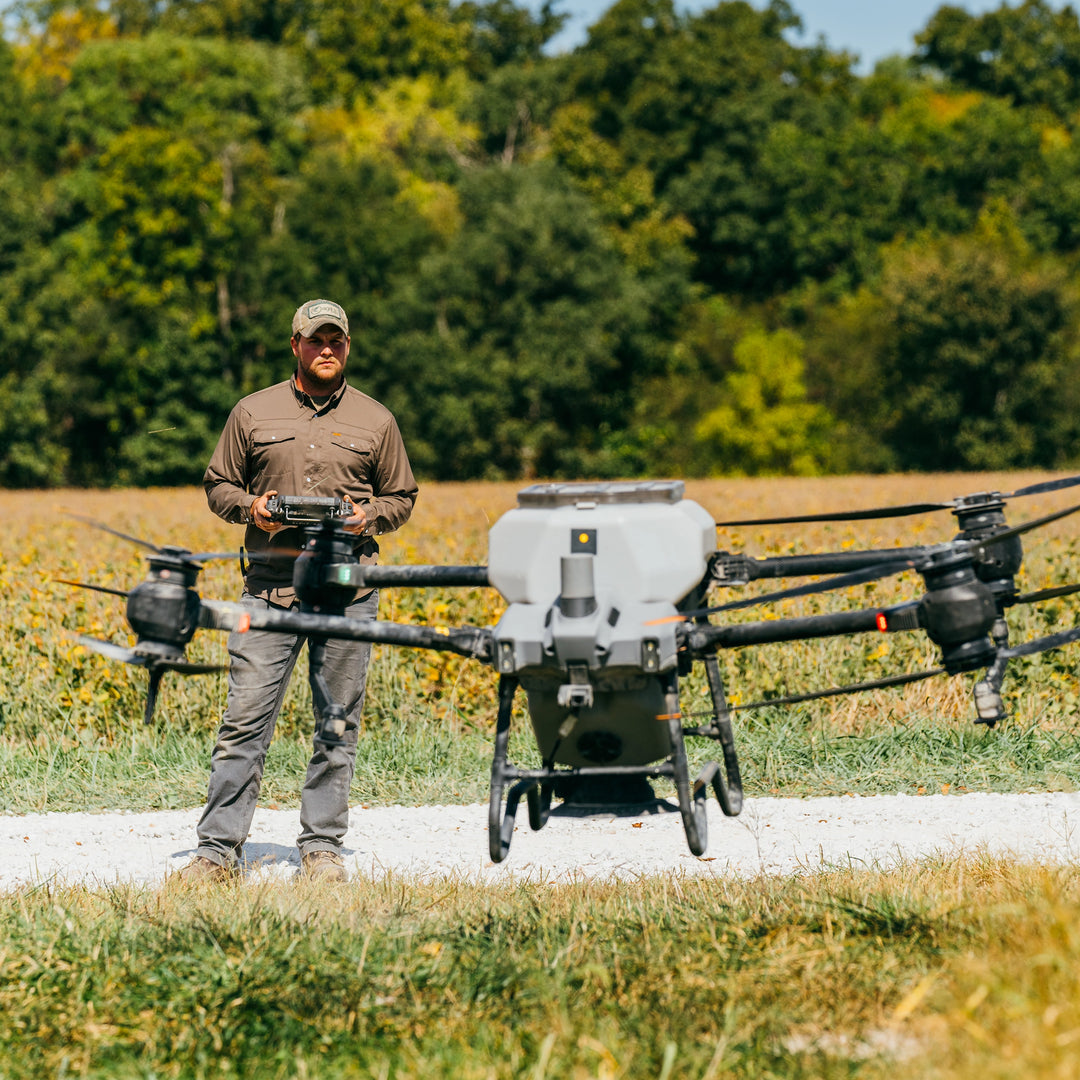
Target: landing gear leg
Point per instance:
(500, 826)
(691, 802)
(730, 794)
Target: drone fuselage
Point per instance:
(594, 575)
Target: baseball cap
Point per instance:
(315, 313)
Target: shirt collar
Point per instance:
(305, 399)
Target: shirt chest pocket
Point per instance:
(353, 450)
(273, 453)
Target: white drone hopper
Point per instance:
(651, 544)
(593, 574)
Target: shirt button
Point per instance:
(312, 446)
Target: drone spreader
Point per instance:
(605, 587)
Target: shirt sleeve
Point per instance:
(395, 486)
(225, 480)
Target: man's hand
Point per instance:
(261, 518)
(356, 524)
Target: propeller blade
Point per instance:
(1019, 530)
(187, 667)
(114, 652)
(177, 552)
(1045, 644)
(836, 691)
(905, 510)
(1045, 486)
(154, 663)
(850, 515)
(123, 536)
(86, 585)
(1045, 594)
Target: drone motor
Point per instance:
(980, 517)
(163, 610)
(958, 611)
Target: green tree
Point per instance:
(765, 424)
(689, 102)
(503, 33)
(734, 400)
(1029, 53)
(526, 338)
(962, 356)
(31, 454)
(929, 161)
(351, 230)
(173, 162)
(345, 48)
(348, 47)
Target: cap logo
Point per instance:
(314, 313)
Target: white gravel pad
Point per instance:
(772, 835)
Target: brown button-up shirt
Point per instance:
(278, 439)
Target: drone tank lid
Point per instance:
(609, 491)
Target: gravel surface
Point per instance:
(773, 836)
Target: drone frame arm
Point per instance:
(700, 639)
(471, 641)
(732, 569)
(378, 576)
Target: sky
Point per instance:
(872, 29)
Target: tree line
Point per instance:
(691, 246)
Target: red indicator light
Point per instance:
(882, 622)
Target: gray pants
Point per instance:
(262, 662)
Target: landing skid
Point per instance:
(610, 786)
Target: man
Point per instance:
(311, 435)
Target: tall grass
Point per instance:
(70, 728)
(939, 970)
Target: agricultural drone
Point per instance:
(606, 587)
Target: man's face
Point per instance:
(321, 358)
